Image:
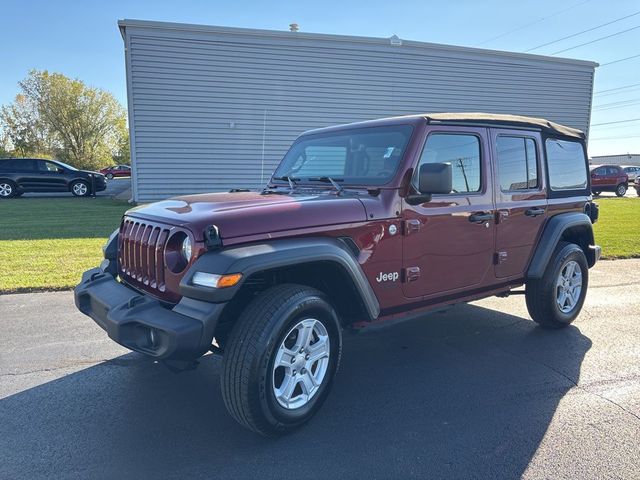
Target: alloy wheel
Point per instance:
(301, 363)
(568, 286)
(6, 190)
(80, 189)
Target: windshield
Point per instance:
(364, 156)
(65, 165)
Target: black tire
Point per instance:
(621, 190)
(109, 176)
(597, 193)
(541, 294)
(78, 191)
(248, 376)
(8, 189)
(638, 191)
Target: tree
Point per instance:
(81, 125)
(23, 132)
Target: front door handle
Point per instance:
(534, 212)
(480, 217)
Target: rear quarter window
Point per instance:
(566, 164)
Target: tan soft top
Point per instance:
(504, 119)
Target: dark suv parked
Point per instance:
(21, 175)
(609, 178)
(360, 224)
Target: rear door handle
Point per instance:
(480, 217)
(534, 212)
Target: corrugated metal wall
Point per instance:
(625, 159)
(215, 108)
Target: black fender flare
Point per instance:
(553, 232)
(254, 258)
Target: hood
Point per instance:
(239, 214)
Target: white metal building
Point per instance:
(213, 108)
(622, 159)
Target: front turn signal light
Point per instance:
(214, 280)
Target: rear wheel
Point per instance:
(621, 190)
(7, 189)
(80, 188)
(280, 359)
(555, 300)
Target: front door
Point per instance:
(599, 178)
(51, 177)
(449, 241)
(521, 198)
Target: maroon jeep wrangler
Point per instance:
(359, 224)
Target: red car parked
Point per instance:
(609, 178)
(116, 171)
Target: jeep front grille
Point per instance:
(141, 253)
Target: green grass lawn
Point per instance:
(618, 229)
(46, 243)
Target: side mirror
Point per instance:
(432, 178)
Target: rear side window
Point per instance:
(462, 152)
(566, 164)
(18, 165)
(517, 163)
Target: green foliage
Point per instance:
(56, 115)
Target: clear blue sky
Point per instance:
(81, 38)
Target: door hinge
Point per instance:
(411, 226)
(411, 274)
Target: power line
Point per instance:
(534, 23)
(614, 138)
(611, 107)
(597, 40)
(583, 31)
(617, 102)
(629, 90)
(617, 88)
(618, 121)
(617, 61)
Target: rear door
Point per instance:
(521, 198)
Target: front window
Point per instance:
(462, 151)
(68, 167)
(364, 156)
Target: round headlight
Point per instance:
(186, 249)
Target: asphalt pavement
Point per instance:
(476, 392)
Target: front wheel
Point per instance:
(109, 176)
(621, 190)
(80, 188)
(280, 359)
(555, 300)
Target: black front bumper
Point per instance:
(142, 323)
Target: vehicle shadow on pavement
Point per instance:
(467, 393)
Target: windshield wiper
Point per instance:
(333, 182)
(291, 180)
